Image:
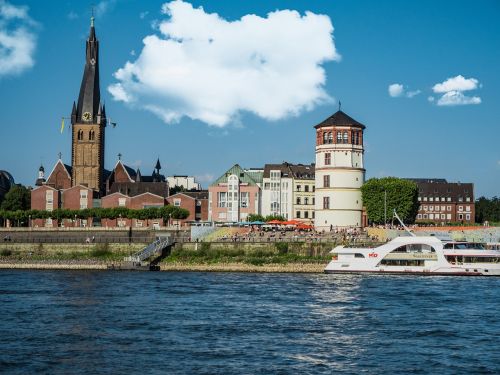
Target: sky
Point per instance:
(203, 85)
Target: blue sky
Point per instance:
(447, 50)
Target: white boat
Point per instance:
(418, 255)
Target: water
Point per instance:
(225, 323)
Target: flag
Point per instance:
(62, 125)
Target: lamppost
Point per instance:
(74, 225)
(29, 221)
(169, 219)
(120, 221)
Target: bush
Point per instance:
(282, 247)
(6, 252)
(101, 251)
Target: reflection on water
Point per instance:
(121, 322)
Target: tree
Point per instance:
(402, 195)
(255, 217)
(17, 198)
(488, 210)
(275, 217)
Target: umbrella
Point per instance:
(304, 226)
(275, 222)
(257, 223)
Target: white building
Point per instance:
(187, 182)
(339, 172)
(288, 191)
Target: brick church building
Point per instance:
(86, 183)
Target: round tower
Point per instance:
(340, 173)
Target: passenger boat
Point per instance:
(427, 255)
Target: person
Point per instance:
(93, 238)
(87, 240)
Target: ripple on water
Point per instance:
(121, 322)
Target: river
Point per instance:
(85, 322)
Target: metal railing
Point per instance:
(154, 248)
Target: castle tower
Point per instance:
(339, 172)
(88, 119)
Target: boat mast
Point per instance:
(395, 215)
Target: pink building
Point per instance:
(235, 195)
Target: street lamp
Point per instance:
(74, 225)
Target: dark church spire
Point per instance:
(90, 96)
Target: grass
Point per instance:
(208, 255)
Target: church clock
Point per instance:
(86, 116)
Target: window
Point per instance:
(467, 208)
(298, 214)
(326, 181)
(328, 158)
(419, 216)
(448, 208)
(448, 199)
(431, 199)
(330, 137)
(83, 199)
(325, 138)
(442, 199)
(306, 200)
(431, 208)
(419, 199)
(177, 202)
(306, 188)
(221, 199)
(460, 208)
(460, 217)
(306, 214)
(121, 202)
(326, 203)
(298, 200)
(460, 199)
(80, 135)
(425, 216)
(345, 137)
(443, 208)
(266, 186)
(355, 138)
(425, 208)
(425, 199)
(244, 199)
(298, 187)
(448, 216)
(467, 199)
(339, 137)
(467, 217)
(222, 215)
(431, 216)
(443, 216)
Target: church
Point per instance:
(86, 183)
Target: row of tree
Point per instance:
(22, 217)
(257, 217)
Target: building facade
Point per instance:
(288, 191)
(339, 172)
(195, 202)
(445, 202)
(235, 195)
(183, 182)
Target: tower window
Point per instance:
(80, 135)
(326, 203)
(339, 137)
(345, 138)
(326, 181)
(325, 137)
(330, 137)
(328, 158)
(91, 135)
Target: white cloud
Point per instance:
(452, 90)
(452, 98)
(430, 99)
(103, 7)
(207, 177)
(210, 69)
(143, 15)
(396, 89)
(17, 39)
(72, 15)
(458, 83)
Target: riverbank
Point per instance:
(175, 267)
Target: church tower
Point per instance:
(88, 120)
(339, 172)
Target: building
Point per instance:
(288, 191)
(183, 183)
(86, 183)
(445, 202)
(235, 195)
(339, 172)
(196, 202)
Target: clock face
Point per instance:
(86, 116)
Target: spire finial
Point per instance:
(340, 105)
(120, 156)
(92, 17)
(60, 155)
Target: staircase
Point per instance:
(158, 249)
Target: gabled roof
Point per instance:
(299, 171)
(339, 118)
(66, 167)
(193, 194)
(251, 177)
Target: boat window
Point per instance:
(402, 262)
(358, 255)
(458, 259)
(414, 248)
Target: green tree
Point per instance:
(487, 210)
(275, 217)
(402, 195)
(255, 217)
(17, 198)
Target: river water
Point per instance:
(82, 322)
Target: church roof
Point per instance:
(339, 118)
(90, 95)
(251, 177)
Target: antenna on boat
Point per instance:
(395, 215)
